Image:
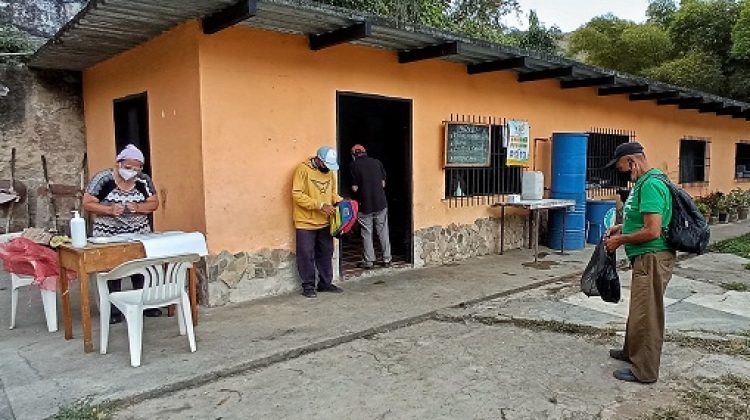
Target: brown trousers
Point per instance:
(644, 335)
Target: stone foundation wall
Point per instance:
(233, 278)
(447, 244)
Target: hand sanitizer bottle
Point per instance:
(78, 231)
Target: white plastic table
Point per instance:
(534, 207)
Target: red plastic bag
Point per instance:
(25, 257)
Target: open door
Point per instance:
(383, 125)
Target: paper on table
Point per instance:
(173, 243)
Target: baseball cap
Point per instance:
(358, 148)
(329, 157)
(625, 149)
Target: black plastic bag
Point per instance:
(600, 276)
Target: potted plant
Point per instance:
(712, 201)
(744, 205)
(737, 202)
(723, 206)
(704, 209)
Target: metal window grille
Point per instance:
(742, 160)
(483, 186)
(601, 181)
(695, 160)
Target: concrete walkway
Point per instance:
(40, 371)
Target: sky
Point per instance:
(568, 15)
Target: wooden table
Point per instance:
(96, 259)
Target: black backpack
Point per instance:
(687, 230)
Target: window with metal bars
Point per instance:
(478, 186)
(694, 161)
(601, 148)
(742, 161)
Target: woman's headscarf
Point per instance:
(130, 152)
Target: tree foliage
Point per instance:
(612, 42)
(741, 33)
(700, 44)
(661, 12)
(705, 25)
(13, 41)
(697, 69)
(539, 37)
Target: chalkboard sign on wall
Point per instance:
(467, 145)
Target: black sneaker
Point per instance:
(116, 319)
(331, 289)
(152, 313)
(365, 265)
(309, 293)
(385, 264)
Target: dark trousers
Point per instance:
(315, 254)
(116, 286)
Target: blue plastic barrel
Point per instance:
(596, 215)
(568, 182)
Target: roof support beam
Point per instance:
(730, 110)
(230, 16)
(545, 74)
(711, 107)
(622, 90)
(497, 65)
(649, 96)
(426, 53)
(340, 36)
(590, 82)
(679, 100)
(691, 105)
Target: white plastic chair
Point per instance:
(164, 284)
(49, 297)
(49, 301)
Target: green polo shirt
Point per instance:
(649, 195)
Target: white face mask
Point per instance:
(127, 174)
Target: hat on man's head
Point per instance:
(329, 157)
(625, 149)
(358, 149)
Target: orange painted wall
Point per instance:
(243, 107)
(268, 102)
(166, 68)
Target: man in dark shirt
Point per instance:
(368, 181)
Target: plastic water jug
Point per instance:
(532, 185)
(78, 231)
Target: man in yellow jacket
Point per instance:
(314, 195)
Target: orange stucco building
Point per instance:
(230, 114)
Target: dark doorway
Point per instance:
(383, 126)
(131, 125)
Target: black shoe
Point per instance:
(619, 355)
(309, 293)
(152, 313)
(625, 374)
(385, 264)
(331, 289)
(116, 319)
(365, 265)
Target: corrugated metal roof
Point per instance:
(106, 28)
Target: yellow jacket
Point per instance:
(311, 189)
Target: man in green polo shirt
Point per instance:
(646, 213)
